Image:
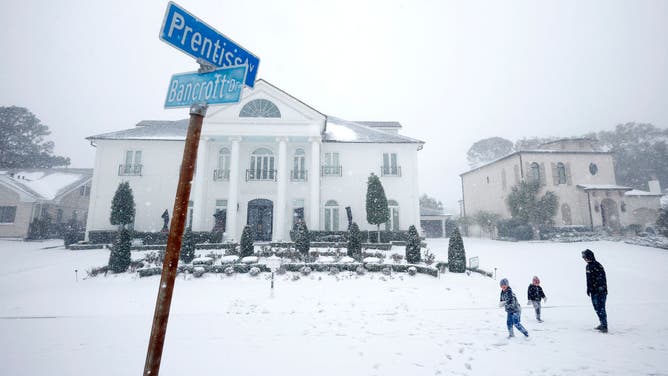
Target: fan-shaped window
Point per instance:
(260, 108)
(331, 216)
(393, 223)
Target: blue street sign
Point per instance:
(199, 40)
(220, 86)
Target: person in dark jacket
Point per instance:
(513, 309)
(597, 288)
(535, 294)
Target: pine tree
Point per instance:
(188, 246)
(456, 253)
(413, 246)
(246, 243)
(120, 256)
(302, 239)
(355, 242)
(123, 206)
(377, 211)
(662, 222)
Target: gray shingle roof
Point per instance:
(149, 130)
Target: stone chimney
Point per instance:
(654, 187)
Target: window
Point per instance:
(535, 172)
(299, 166)
(393, 223)
(297, 211)
(132, 164)
(390, 167)
(593, 168)
(332, 166)
(223, 170)
(561, 173)
(331, 216)
(261, 165)
(260, 108)
(7, 214)
(220, 216)
(84, 190)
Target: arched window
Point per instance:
(223, 170)
(535, 172)
(561, 173)
(393, 223)
(261, 108)
(261, 165)
(299, 166)
(331, 216)
(566, 215)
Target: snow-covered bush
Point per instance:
(397, 258)
(387, 271)
(305, 270)
(412, 270)
(187, 247)
(231, 259)
(229, 270)
(371, 260)
(250, 260)
(254, 271)
(413, 246)
(120, 256)
(360, 270)
(198, 271)
(246, 245)
(333, 270)
(429, 257)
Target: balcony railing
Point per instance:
(390, 171)
(129, 170)
(299, 175)
(221, 174)
(331, 171)
(260, 175)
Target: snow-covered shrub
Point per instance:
(397, 258)
(429, 257)
(187, 247)
(305, 270)
(412, 270)
(246, 244)
(333, 270)
(346, 260)
(354, 242)
(360, 270)
(413, 246)
(120, 256)
(254, 271)
(250, 260)
(662, 222)
(387, 271)
(198, 272)
(231, 259)
(456, 253)
(371, 260)
(153, 257)
(229, 270)
(295, 277)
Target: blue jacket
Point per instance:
(508, 297)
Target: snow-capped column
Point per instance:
(314, 177)
(233, 199)
(198, 194)
(282, 182)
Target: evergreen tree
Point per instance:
(662, 222)
(527, 207)
(355, 242)
(39, 228)
(123, 206)
(302, 239)
(413, 246)
(22, 143)
(246, 243)
(377, 211)
(188, 246)
(120, 256)
(456, 253)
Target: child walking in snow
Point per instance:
(513, 310)
(535, 294)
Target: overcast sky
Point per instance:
(451, 72)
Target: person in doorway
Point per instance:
(513, 310)
(597, 288)
(535, 294)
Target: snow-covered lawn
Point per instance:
(52, 324)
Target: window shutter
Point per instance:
(542, 174)
(555, 174)
(569, 181)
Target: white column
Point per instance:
(282, 181)
(314, 180)
(198, 195)
(233, 199)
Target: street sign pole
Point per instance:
(171, 261)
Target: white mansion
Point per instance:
(582, 177)
(266, 162)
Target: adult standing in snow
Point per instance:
(513, 309)
(535, 294)
(597, 288)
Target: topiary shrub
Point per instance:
(412, 270)
(187, 247)
(229, 270)
(254, 271)
(662, 222)
(354, 242)
(305, 270)
(456, 253)
(302, 240)
(120, 256)
(246, 243)
(413, 246)
(360, 270)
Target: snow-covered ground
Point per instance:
(53, 324)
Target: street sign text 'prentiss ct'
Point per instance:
(220, 86)
(199, 40)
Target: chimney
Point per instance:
(654, 187)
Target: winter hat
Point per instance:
(503, 282)
(536, 280)
(587, 254)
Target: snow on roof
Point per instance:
(604, 187)
(380, 124)
(637, 192)
(173, 130)
(46, 184)
(339, 130)
(433, 212)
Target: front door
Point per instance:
(260, 216)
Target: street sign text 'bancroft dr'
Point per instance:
(199, 40)
(217, 87)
